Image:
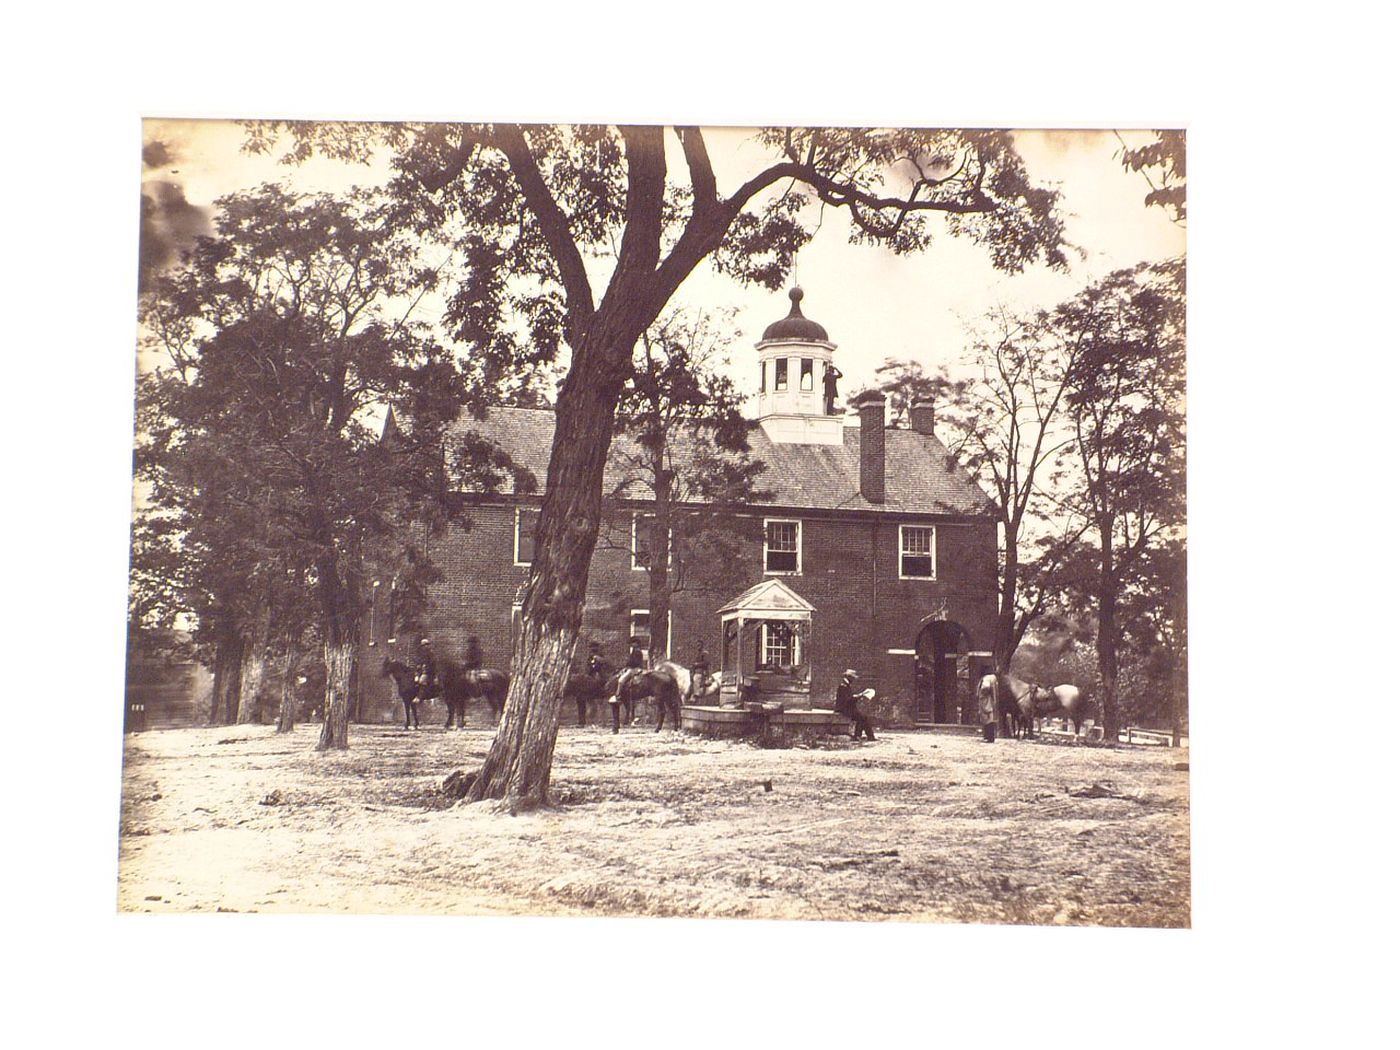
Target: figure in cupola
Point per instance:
(829, 387)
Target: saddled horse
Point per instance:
(460, 686)
(1022, 703)
(1062, 701)
(583, 689)
(405, 680)
(667, 683)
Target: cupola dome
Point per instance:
(794, 325)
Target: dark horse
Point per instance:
(666, 683)
(405, 681)
(460, 686)
(584, 689)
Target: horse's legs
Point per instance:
(616, 706)
(407, 712)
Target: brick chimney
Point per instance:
(871, 406)
(921, 415)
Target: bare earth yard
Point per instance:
(914, 826)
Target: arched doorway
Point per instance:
(942, 673)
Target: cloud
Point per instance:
(169, 225)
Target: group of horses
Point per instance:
(669, 684)
(459, 687)
(1018, 704)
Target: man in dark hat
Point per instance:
(846, 705)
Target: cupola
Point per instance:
(795, 359)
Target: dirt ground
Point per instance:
(915, 826)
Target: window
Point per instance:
(527, 520)
(643, 527)
(763, 377)
(916, 552)
(780, 373)
(806, 373)
(639, 626)
(778, 646)
(782, 546)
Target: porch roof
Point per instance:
(771, 599)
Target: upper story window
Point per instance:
(780, 373)
(643, 530)
(763, 377)
(527, 519)
(782, 546)
(916, 552)
(806, 381)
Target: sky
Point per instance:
(873, 304)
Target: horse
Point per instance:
(667, 683)
(583, 689)
(1024, 703)
(405, 680)
(1015, 706)
(1062, 701)
(702, 687)
(459, 686)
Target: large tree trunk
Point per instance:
(254, 670)
(1004, 647)
(339, 628)
(1106, 649)
(335, 730)
(287, 707)
(228, 671)
(659, 577)
(516, 770)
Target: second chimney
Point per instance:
(921, 415)
(871, 406)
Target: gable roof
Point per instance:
(772, 598)
(921, 476)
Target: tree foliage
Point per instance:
(682, 444)
(1126, 400)
(581, 235)
(1162, 163)
(281, 333)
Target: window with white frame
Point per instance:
(527, 519)
(643, 530)
(780, 367)
(806, 380)
(639, 626)
(642, 526)
(779, 645)
(916, 552)
(782, 546)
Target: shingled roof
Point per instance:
(921, 477)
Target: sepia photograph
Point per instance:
(675, 526)
(777, 522)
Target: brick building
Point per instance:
(877, 529)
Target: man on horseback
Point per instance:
(700, 671)
(426, 677)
